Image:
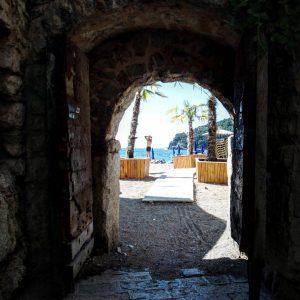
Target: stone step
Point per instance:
(140, 285)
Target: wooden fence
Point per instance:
(186, 161)
(212, 172)
(134, 168)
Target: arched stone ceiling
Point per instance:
(119, 65)
(107, 23)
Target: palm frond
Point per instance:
(178, 118)
(178, 83)
(155, 85)
(172, 110)
(146, 94)
(148, 91)
(160, 94)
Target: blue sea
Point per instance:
(159, 154)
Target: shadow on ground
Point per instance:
(165, 238)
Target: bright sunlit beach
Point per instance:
(153, 117)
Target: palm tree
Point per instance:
(189, 113)
(144, 94)
(212, 129)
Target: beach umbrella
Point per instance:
(202, 148)
(152, 154)
(195, 147)
(221, 132)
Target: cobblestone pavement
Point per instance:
(121, 285)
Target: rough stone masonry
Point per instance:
(63, 57)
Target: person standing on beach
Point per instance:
(149, 143)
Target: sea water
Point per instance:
(159, 154)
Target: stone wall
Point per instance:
(106, 172)
(13, 22)
(32, 82)
(50, 22)
(283, 165)
(242, 195)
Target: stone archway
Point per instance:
(265, 213)
(96, 28)
(120, 65)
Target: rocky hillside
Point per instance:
(181, 138)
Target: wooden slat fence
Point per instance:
(186, 161)
(134, 168)
(212, 172)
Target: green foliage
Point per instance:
(148, 91)
(181, 138)
(188, 112)
(278, 20)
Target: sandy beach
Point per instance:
(166, 237)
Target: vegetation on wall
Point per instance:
(277, 20)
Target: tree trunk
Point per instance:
(133, 126)
(190, 137)
(212, 129)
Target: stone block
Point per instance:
(38, 74)
(136, 71)
(8, 209)
(7, 229)
(13, 274)
(10, 57)
(123, 79)
(13, 142)
(192, 272)
(16, 165)
(296, 156)
(12, 115)
(10, 84)
(35, 104)
(37, 168)
(36, 141)
(109, 93)
(157, 60)
(37, 123)
(149, 294)
(295, 197)
(295, 231)
(114, 146)
(14, 149)
(294, 194)
(5, 20)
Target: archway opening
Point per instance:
(118, 67)
(167, 237)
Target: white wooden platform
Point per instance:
(173, 186)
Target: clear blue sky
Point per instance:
(154, 120)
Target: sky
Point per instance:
(154, 120)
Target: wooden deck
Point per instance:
(212, 172)
(173, 186)
(134, 168)
(186, 161)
